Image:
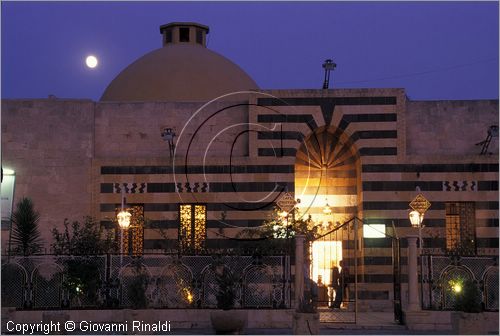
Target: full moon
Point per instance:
(91, 61)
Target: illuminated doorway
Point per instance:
(326, 178)
(326, 254)
(327, 183)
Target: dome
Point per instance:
(182, 70)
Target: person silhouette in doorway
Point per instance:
(344, 283)
(336, 288)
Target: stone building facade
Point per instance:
(238, 148)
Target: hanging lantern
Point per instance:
(327, 209)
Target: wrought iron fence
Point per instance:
(153, 281)
(440, 272)
(45, 281)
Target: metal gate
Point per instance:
(334, 267)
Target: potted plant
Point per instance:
(227, 320)
(306, 316)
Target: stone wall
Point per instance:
(49, 145)
(133, 130)
(458, 323)
(450, 127)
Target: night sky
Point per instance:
(435, 50)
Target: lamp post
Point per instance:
(416, 219)
(124, 222)
(419, 205)
(287, 204)
(284, 216)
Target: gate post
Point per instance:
(413, 304)
(299, 269)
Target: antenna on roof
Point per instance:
(492, 133)
(328, 66)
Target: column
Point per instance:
(299, 268)
(413, 301)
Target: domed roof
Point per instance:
(180, 71)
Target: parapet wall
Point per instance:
(449, 127)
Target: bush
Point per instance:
(469, 299)
(84, 242)
(82, 279)
(86, 239)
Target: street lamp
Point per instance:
(284, 215)
(419, 206)
(123, 218)
(416, 219)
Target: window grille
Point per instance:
(460, 227)
(192, 227)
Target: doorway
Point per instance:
(327, 183)
(326, 255)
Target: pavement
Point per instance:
(373, 323)
(364, 323)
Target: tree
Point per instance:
(278, 226)
(25, 237)
(82, 269)
(86, 239)
(273, 236)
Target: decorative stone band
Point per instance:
(180, 187)
(130, 188)
(459, 185)
(190, 187)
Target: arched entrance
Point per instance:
(327, 183)
(327, 173)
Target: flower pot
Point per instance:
(305, 323)
(229, 321)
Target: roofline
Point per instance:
(175, 24)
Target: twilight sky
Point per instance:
(435, 50)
